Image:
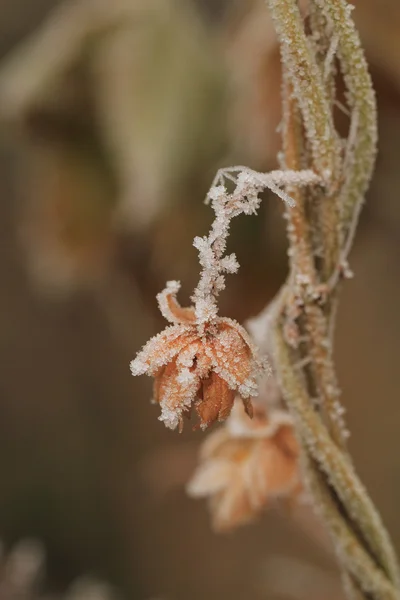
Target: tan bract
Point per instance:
(245, 465)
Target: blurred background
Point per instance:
(114, 117)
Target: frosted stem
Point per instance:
(321, 227)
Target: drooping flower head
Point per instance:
(201, 365)
(202, 360)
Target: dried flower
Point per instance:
(204, 360)
(245, 464)
(201, 365)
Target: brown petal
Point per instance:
(231, 508)
(176, 393)
(248, 407)
(287, 441)
(162, 348)
(190, 354)
(216, 402)
(170, 307)
(279, 471)
(161, 380)
(181, 314)
(157, 383)
(232, 356)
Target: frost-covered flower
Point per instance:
(204, 360)
(245, 464)
(198, 365)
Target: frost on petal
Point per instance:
(176, 392)
(188, 355)
(193, 356)
(231, 357)
(170, 307)
(161, 349)
(203, 364)
(260, 362)
(158, 378)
